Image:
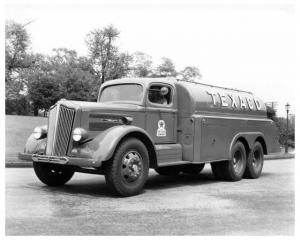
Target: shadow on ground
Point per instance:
(96, 186)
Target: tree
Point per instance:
(43, 91)
(102, 50)
(63, 75)
(17, 58)
(141, 65)
(166, 68)
(119, 66)
(75, 74)
(190, 73)
(280, 123)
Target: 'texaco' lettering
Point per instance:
(243, 102)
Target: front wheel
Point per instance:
(53, 174)
(127, 172)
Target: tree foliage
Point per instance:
(17, 58)
(16, 45)
(141, 65)
(281, 125)
(108, 62)
(119, 66)
(63, 75)
(166, 68)
(75, 74)
(190, 73)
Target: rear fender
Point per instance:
(247, 138)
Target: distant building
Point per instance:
(273, 105)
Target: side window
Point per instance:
(160, 94)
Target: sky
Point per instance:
(248, 45)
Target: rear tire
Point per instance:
(127, 172)
(233, 169)
(255, 162)
(53, 174)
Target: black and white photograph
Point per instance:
(149, 118)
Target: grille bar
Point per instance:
(59, 131)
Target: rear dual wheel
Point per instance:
(255, 162)
(240, 166)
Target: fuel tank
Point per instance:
(197, 98)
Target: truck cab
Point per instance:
(172, 126)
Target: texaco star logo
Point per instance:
(161, 131)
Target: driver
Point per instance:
(162, 96)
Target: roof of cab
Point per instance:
(143, 81)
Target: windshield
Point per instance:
(122, 92)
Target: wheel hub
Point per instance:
(131, 166)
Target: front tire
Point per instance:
(127, 172)
(53, 174)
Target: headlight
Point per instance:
(79, 134)
(40, 132)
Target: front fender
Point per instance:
(33, 145)
(103, 146)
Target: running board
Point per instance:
(169, 154)
(173, 163)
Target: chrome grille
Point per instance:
(59, 130)
(51, 130)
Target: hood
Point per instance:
(96, 117)
(96, 106)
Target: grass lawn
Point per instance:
(17, 130)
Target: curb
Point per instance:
(18, 165)
(28, 163)
(281, 156)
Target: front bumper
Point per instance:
(63, 160)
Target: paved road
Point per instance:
(183, 206)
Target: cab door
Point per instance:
(161, 113)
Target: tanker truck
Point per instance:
(169, 125)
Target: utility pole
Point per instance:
(287, 108)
